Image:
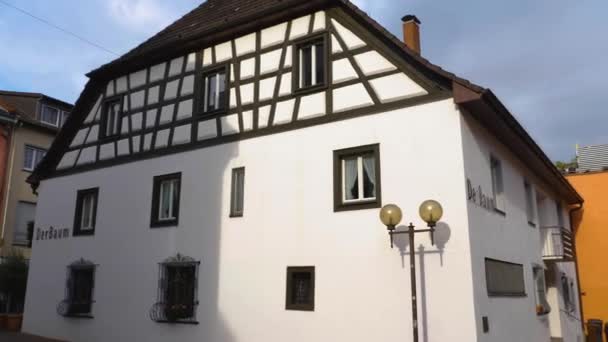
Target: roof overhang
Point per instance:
(487, 109)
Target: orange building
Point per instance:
(592, 242)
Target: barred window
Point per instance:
(79, 290)
(177, 295)
(300, 288)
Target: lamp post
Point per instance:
(430, 212)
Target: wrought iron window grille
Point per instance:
(78, 302)
(177, 300)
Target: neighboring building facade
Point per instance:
(30, 122)
(591, 180)
(222, 182)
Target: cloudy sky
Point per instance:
(546, 59)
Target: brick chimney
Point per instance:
(411, 32)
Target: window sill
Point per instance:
(77, 316)
(500, 212)
(164, 224)
(507, 295)
(177, 322)
(300, 308)
(27, 170)
(311, 89)
(77, 233)
(235, 215)
(357, 205)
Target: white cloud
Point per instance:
(140, 15)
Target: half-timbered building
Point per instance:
(222, 182)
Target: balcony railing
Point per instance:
(558, 244)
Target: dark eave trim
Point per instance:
(69, 130)
(485, 103)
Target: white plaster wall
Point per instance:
(362, 286)
(508, 238)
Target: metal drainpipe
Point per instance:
(578, 282)
(8, 180)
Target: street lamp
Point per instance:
(430, 212)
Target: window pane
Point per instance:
(504, 278)
(174, 197)
(369, 176)
(25, 214)
(320, 63)
(237, 194)
(28, 163)
(306, 66)
(88, 207)
(211, 92)
(50, 115)
(165, 200)
(351, 179)
(222, 90)
(301, 288)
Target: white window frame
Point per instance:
(91, 215)
(312, 44)
(206, 77)
(37, 155)
(360, 178)
(57, 122)
(172, 189)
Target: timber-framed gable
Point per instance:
(162, 105)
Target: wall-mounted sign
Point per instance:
(52, 233)
(477, 196)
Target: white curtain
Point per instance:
(350, 179)
(369, 167)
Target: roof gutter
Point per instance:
(485, 107)
(578, 282)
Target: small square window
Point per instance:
(86, 212)
(237, 192)
(32, 157)
(357, 178)
(50, 115)
(300, 288)
(111, 118)
(311, 61)
(215, 91)
(165, 201)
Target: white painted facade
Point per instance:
(361, 284)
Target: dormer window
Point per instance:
(311, 62)
(110, 118)
(53, 116)
(215, 91)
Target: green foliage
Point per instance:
(563, 166)
(13, 276)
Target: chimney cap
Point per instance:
(410, 17)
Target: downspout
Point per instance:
(578, 282)
(8, 179)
